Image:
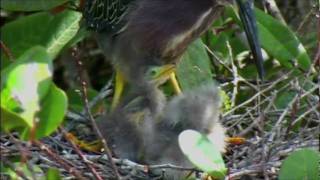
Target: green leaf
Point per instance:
(302, 164)
(24, 33)
(51, 31)
(194, 68)
(280, 42)
(82, 33)
(25, 82)
(53, 109)
(53, 174)
(30, 5)
(202, 153)
(23, 168)
(11, 120)
(76, 102)
(61, 30)
(284, 98)
(28, 95)
(226, 101)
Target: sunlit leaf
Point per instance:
(25, 82)
(202, 153)
(29, 97)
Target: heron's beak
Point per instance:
(250, 26)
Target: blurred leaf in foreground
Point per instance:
(302, 164)
(202, 153)
(29, 97)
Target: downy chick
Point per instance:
(155, 140)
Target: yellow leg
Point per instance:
(95, 146)
(119, 86)
(162, 74)
(175, 83)
(236, 140)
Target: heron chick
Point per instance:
(154, 140)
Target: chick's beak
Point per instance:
(250, 26)
(162, 74)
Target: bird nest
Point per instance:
(272, 132)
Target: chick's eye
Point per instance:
(153, 72)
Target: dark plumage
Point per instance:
(152, 32)
(143, 34)
(105, 15)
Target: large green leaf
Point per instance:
(61, 30)
(302, 164)
(194, 68)
(30, 5)
(280, 42)
(25, 82)
(24, 33)
(28, 95)
(45, 29)
(202, 153)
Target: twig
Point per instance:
(13, 168)
(24, 156)
(274, 10)
(84, 159)
(161, 166)
(257, 94)
(303, 115)
(230, 70)
(235, 81)
(104, 92)
(76, 55)
(305, 20)
(6, 50)
(317, 56)
(62, 162)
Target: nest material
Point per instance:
(272, 134)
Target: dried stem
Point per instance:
(83, 158)
(76, 55)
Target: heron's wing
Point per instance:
(105, 15)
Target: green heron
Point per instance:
(141, 34)
(155, 141)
